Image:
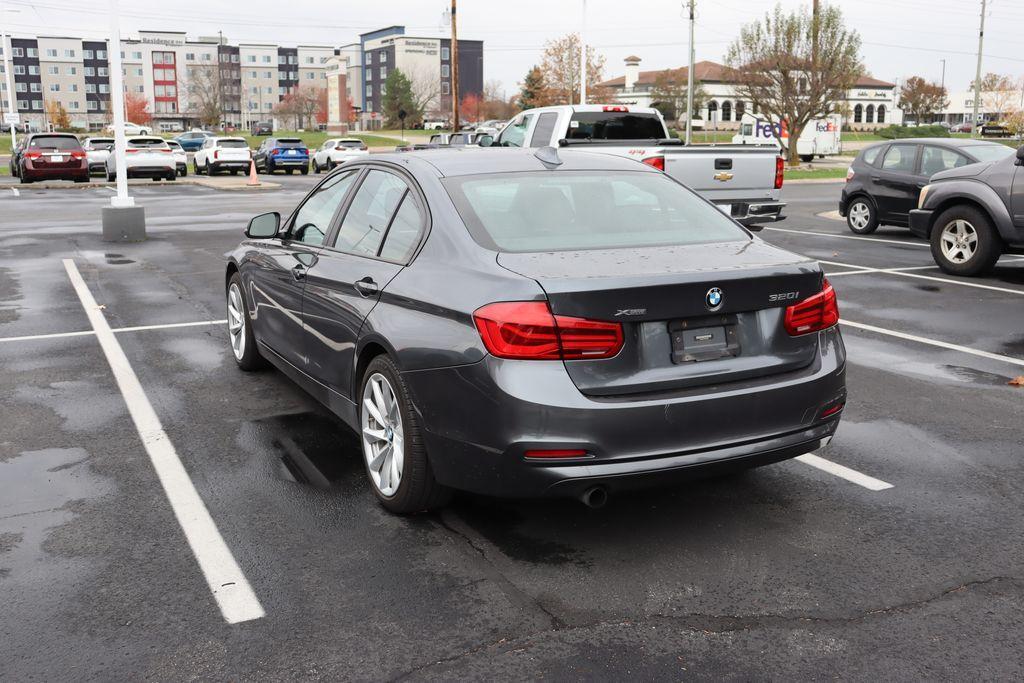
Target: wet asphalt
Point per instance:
(778, 573)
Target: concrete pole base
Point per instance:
(124, 224)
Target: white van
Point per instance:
(820, 137)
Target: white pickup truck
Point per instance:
(744, 181)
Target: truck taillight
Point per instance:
(528, 330)
(813, 314)
(656, 162)
(615, 108)
(779, 170)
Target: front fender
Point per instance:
(947, 193)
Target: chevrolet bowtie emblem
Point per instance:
(724, 176)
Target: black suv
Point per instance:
(884, 180)
(973, 215)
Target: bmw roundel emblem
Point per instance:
(713, 299)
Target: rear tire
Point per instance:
(240, 336)
(401, 436)
(111, 177)
(305, 170)
(964, 242)
(861, 217)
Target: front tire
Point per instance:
(392, 441)
(240, 336)
(861, 217)
(316, 167)
(964, 242)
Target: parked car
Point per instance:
(462, 139)
(96, 151)
(435, 124)
(744, 181)
(537, 323)
(50, 156)
(262, 128)
(222, 154)
(972, 215)
(337, 151)
(282, 154)
(132, 129)
(145, 157)
(884, 180)
(180, 157)
(965, 127)
(193, 140)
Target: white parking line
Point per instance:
(230, 588)
(905, 272)
(15, 191)
(850, 237)
(934, 342)
(115, 330)
(843, 472)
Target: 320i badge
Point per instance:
(552, 324)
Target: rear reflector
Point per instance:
(527, 330)
(557, 453)
(615, 109)
(656, 162)
(779, 171)
(813, 314)
(849, 174)
(832, 410)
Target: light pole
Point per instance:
(942, 83)
(583, 55)
(12, 98)
(977, 72)
(689, 84)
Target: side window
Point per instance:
(900, 158)
(370, 213)
(404, 233)
(542, 132)
(871, 155)
(935, 159)
(313, 219)
(514, 134)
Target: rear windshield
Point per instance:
(599, 125)
(233, 144)
(354, 144)
(101, 143)
(576, 210)
(147, 142)
(56, 142)
(289, 142)
(989, 152)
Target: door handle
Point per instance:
(299, 272)
(875, 178)
(366, 286)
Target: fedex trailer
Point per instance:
(819, 138)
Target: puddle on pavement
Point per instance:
(116, 259)
(928, 288)
(977, 376)
(1015, 347)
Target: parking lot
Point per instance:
(894, 552)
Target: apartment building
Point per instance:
(174, 74)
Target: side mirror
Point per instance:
(1020, 155)
(485, 140)
(264, 226)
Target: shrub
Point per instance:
(898, 132)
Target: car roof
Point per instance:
(228, 137)
(461, 162)
(949, 142)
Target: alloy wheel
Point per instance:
(236, 321)
(860, 214)
(383, 438)
(959, 241)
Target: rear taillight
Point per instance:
(813, 314)
(779, 170)
(131, 150)
(305, 151)
(849, 174)
(78, 154)
(274, 151)
(656, 162)
(527, 330)
(609, 107)
(216, 154)
(33, 154)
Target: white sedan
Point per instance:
(133, 129)
(145, 157)
(337, 151)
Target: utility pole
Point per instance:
(583, 56)
(455, 70)
(977, 73)
(689, 82)
(942, 83)
(12, 97)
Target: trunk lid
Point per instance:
(674, 338)
(725, 172)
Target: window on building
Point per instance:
(91, 105)
(269, 90)
(369, 58)
(712, 110)
(104, 88)
(881, 114)
(310, 75)
(309, 60)
(138, 72)
(36, 87)
(69, 53)
(101, 54)
(29, 52)
(282, 59)
(158, 90)
(445, 71)
(383, 72)
(207, 57)
(22, 104)
(19, 70)
(268, 74)
(190, 56)
(53, 70)
(869, 114)
(102, 71)
(136, 55)
(51, 52)
(37, 104)
(33, 70)
(446, 88)
(73, 104)
(266, 59)
(140, 88)
(20, 87)
(17, 52)
(250, 58)
(73, 87)
(88, 54)
(90, 88)
(858, 114)
(90, 71)
(369, 90)
(54, 87)
(445, 54)
(253, 74)
(727, 111)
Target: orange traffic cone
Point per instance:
(253, 178)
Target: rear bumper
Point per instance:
(753, 212)
(230, 165)
(32, 172)
(479, 420)
(920, 222)
(151, 171)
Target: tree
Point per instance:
(999, 93)
(470, 108)
(322, 107)
(494, 105)
(921, 98)
(560, 68)
(796, 67)
(1015, 123)
(425, 88)
(300, 106)
(668, 94)
(136, 109)
(398, 97)
(534, 90)
(57, 115)
(203, 88)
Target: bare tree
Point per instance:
(999, 93)
(796, 67)
(426, 93)
(204, 94)
(560, 71)
(668, 95)
(300, 106)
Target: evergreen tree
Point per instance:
(398, 96)
(534, 91)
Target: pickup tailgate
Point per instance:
(723, 173)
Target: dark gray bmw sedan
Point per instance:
(537, 323)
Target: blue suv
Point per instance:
(282, 154)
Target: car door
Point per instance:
(896, 183)
(380, 230)
(279, 278)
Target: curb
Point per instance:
(813, 181)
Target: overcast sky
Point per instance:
(901, 37)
